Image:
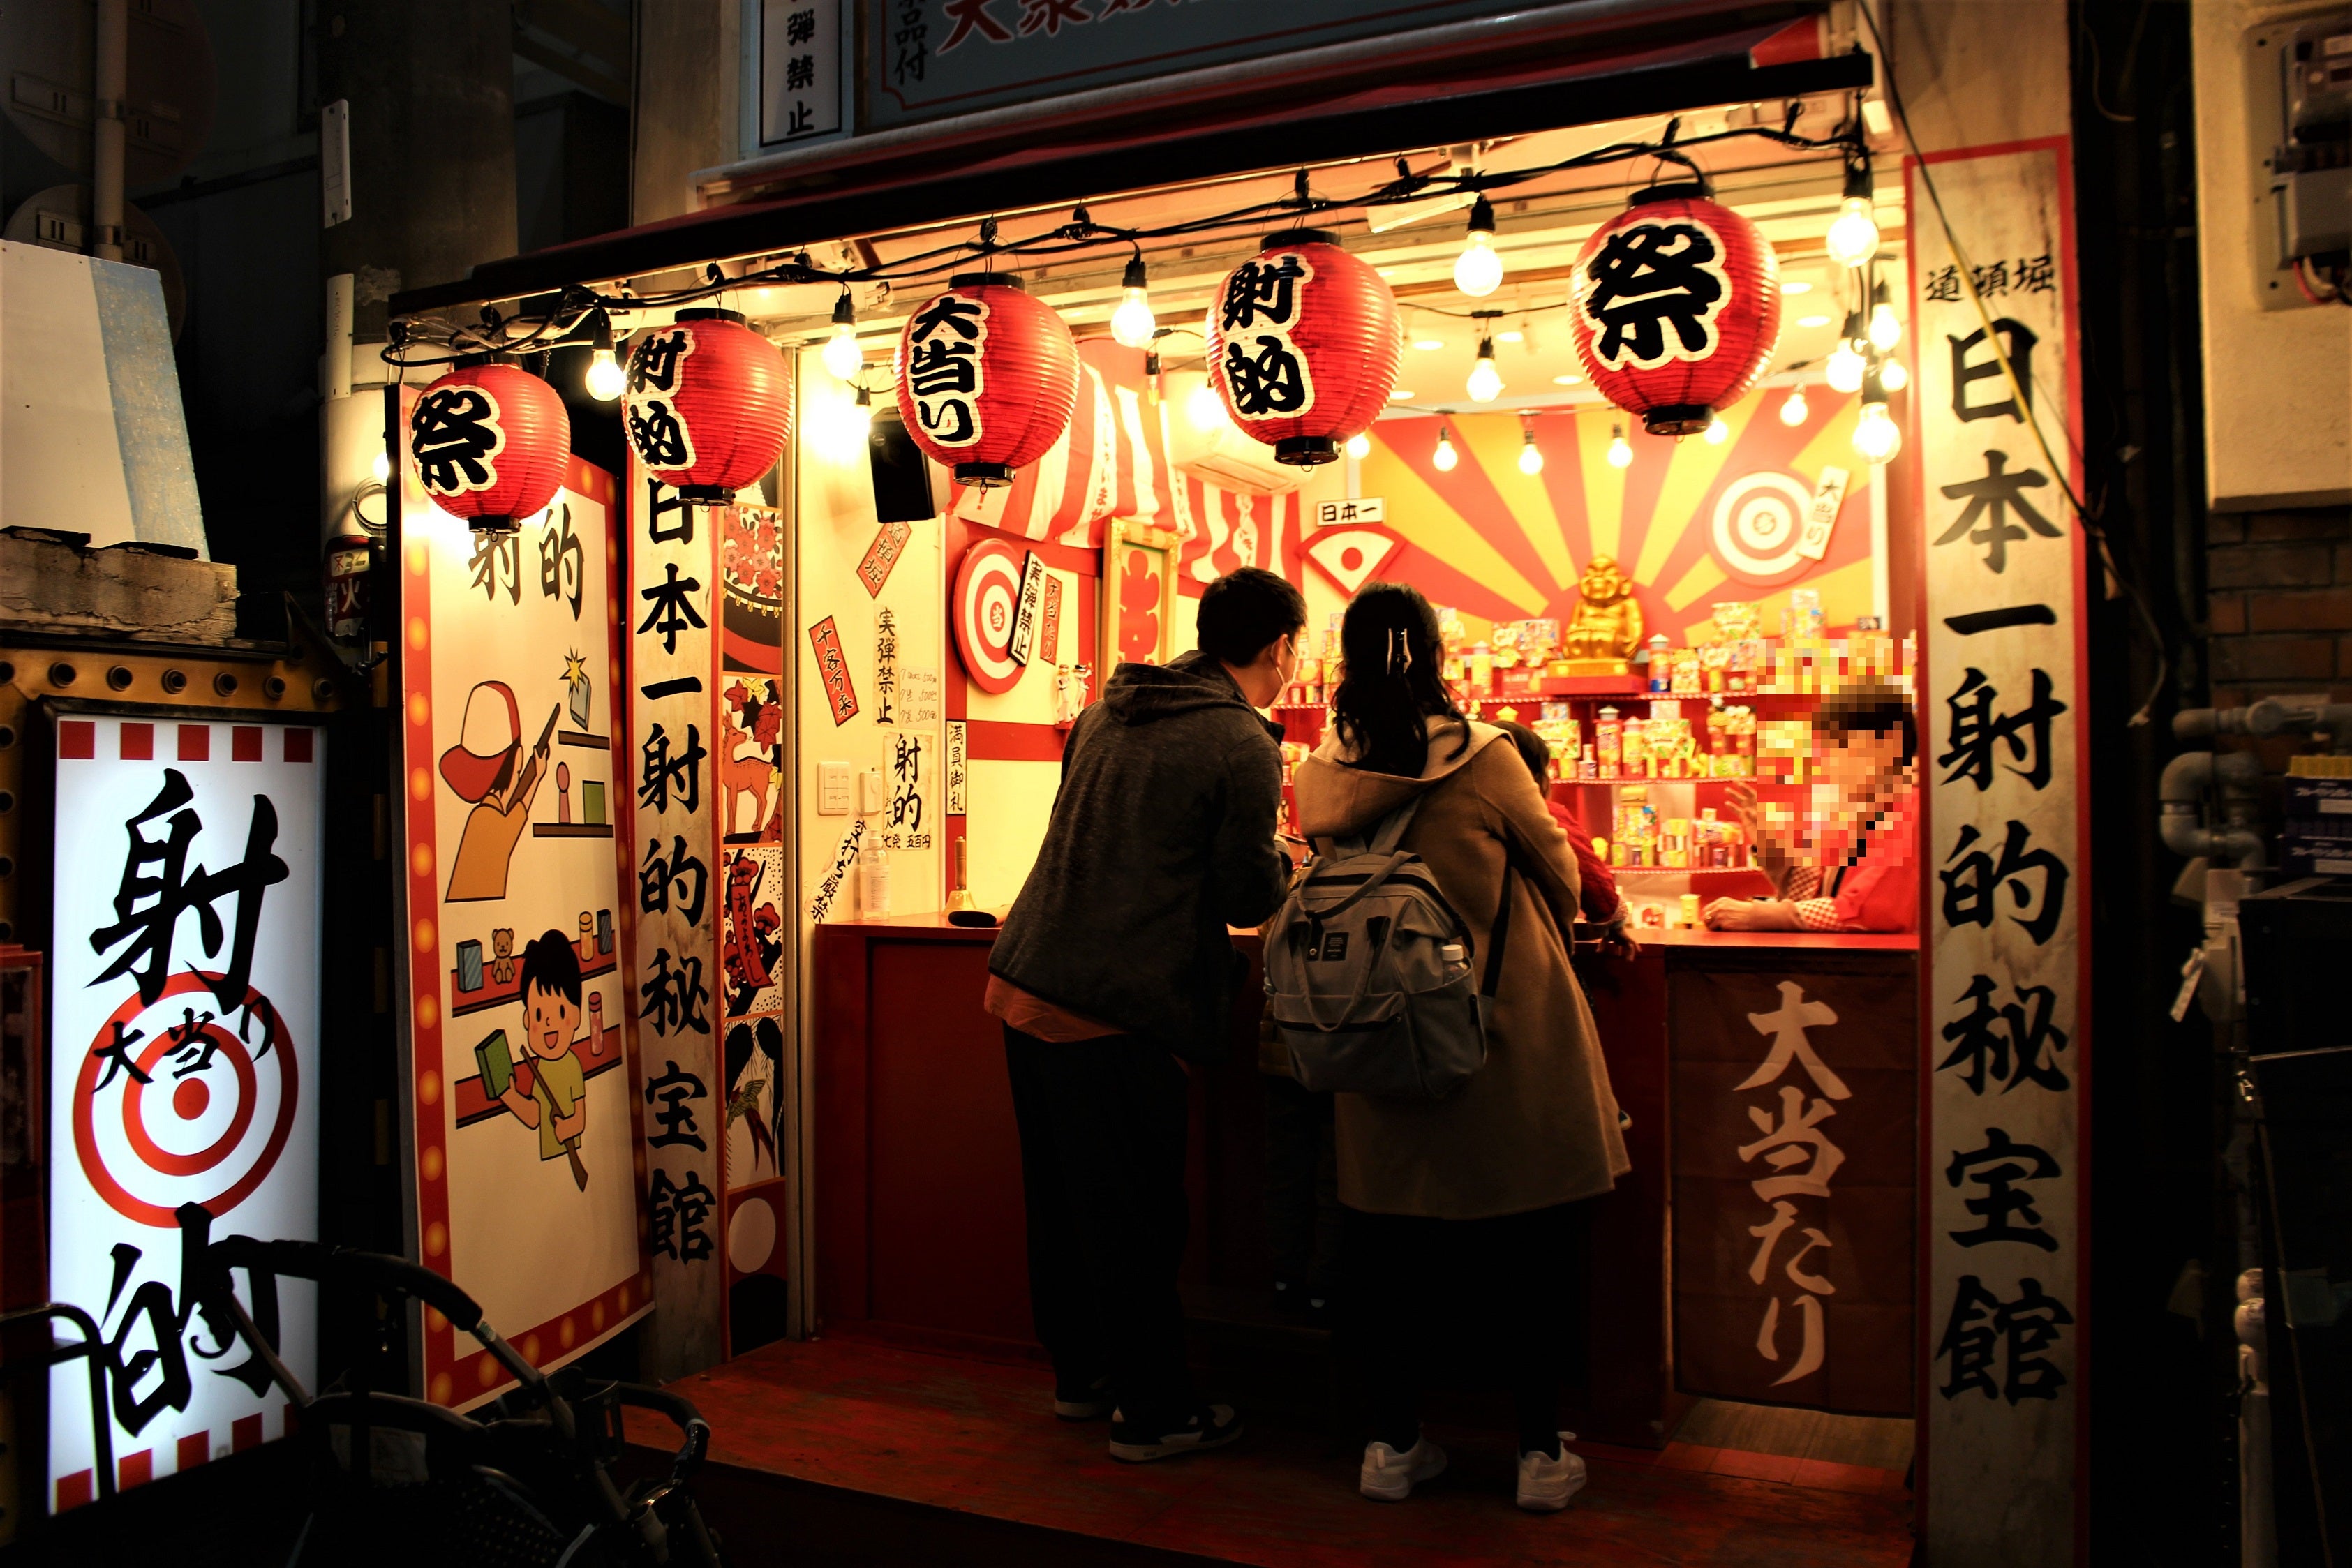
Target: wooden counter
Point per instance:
(917, 1175)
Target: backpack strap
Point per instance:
(1390, 833)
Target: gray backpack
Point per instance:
(1368, 976)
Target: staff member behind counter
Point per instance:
(1855, 867)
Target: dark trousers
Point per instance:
(1103, 1127)
(1302, 1187)
(1420, 1292)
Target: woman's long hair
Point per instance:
(1393, 682)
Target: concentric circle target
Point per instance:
(987, 603)
(181, 1100)
(1759, 520)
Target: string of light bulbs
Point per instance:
(561, 316)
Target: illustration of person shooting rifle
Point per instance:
(557, 1104)
(488, 767)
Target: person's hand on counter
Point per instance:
(1752, 915)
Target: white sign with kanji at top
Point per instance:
(2001, 700)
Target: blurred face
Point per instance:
(1859, 760)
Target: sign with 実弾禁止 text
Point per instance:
(678, 813)
(516, 771)
(183, 1070)
(800, 70)
(1795, 1178)
(2001, 695)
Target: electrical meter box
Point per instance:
(2311, 168)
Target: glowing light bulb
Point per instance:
(1793, 407)
(1716, 432)
(1893, 376)
(1530, 455)
(1620, 455)
(1132, 325)
(1360, 447)
(1846, 365)
(1445, 458)
(605, 378)
(842, 355)
(381, 467)
(1885, 331)
(1876, 437)
(1853, 239)
(1486, 384)
(1479, 271)
(1205, 409)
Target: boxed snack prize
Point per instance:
(1505, 642)
(1668, 746)
(1661, 665)
(1731, 742)
(1450, 637)
(1689, 912)
(1538, 640)
(1805, 613)
(1608, 745)
(1481, 670)
(1635, 749)
(1636, 840)
(1689, 679)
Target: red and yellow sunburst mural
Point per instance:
(1690, 522)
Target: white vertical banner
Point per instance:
(800, 70)
(677, 743)
(184, 1070)
(2002, 702)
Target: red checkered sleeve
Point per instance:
(1816, 913)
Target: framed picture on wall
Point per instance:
(1138, 595)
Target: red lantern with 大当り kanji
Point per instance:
(489, 443)
(1677, 308)
(1303, 346)
(708, 405)
(987, 378)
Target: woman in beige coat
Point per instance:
(1471, 1192)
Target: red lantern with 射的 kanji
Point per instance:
(489, 443)
(987, 378)
(708, 405)
(1303, 346)
(1677, 308)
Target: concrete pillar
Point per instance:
(688, 102)
(431, 89)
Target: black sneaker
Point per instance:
(1210, 1427)
(1087, 1402)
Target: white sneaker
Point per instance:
(1545, 1483)
(1388, 1476)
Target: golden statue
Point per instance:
(1606, 629)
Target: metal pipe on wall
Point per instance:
(113, 84)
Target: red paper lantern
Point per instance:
(1677, 302)
(1303, 346)
(490, 444)
(987, 378)
(708, 406)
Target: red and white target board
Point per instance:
(986, 608)
(184, 1065)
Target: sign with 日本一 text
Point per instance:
(2001, 700)
(676, 984)
(184, 1073)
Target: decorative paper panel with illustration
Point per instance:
(518, 775)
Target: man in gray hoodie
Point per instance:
(1114, 963)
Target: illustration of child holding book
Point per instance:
(557, 1104)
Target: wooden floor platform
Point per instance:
(979, 1436)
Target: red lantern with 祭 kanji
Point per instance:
(987, 378)
(490, 444)
(1677, 308)
(708, 405)
(1303, 346)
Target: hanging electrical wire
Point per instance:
(546, 320)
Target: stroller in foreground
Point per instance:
(524, 1481)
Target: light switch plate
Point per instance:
(871, 796)
(832, 788)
